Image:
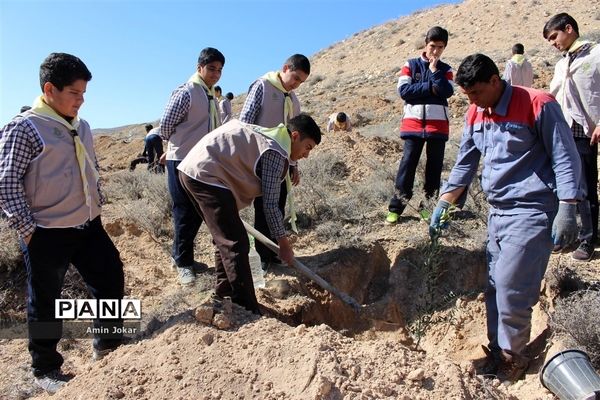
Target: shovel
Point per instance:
(304, 269)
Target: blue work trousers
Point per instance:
(186, 220)
(518, 250)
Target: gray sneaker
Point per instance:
(584, 252)
(52, 381)
(187, 277)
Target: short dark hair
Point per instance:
(218, 89)
(298, 62)
(341, 117)
(62, 69)
(474, 69)
(559, 22)
(25, 108)
(307, 127)
(229, 95)
(210, 54)
(148, 127)
(437, 34)
(518, 49)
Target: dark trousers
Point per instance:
(47, 258)
(218, 209)
(588, 208)
(154, 150)
(186, 220)
(405, 178)
(260, 223)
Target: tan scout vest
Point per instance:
(196, 125)
(53, 186)
(271, 110)
(227, 158)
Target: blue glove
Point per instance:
(564, 227)
(436, 224)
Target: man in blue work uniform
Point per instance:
(531, 176)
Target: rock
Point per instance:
(416, 375)
(204, 314)
(139, 390)
(221, 321)
(208, 338)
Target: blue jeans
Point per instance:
(186, 221)
(405, 179)
(47, 257)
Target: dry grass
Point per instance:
(144, 200)
(11, 258)
(576, 317)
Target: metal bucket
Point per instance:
(570, 375)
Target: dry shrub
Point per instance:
(327, 197)
(11, 258)
(577, 318)
(144, 200)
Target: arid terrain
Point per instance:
(422, 319)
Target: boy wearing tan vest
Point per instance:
(225, 172)
(191, 113)
(271, 101)
(49, 189)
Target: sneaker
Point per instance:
(187, 277)
(512, 366)
(584, 252)
(392, 218)
(52, 381)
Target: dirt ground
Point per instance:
(422, 319)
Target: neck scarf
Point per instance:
(210, 93)
(83, 158)
(282, 136)
(518, 58)
(288, 108)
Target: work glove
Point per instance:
(564, 227)
(439, 219)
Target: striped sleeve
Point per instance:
(175, 112)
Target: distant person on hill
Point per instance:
(271, 101)
(229, 168)
(425, 84)
(191, 113)
(339, 122)
(225, 107)
(576, 86)
(218, 95)
(518, 71)
(531, 177)
(50, 189)
(25, 108)
(153, 149)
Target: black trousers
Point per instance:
(47, 257)
(405, 179)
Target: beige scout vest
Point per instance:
(196, 125)
(53, 185)
(227, 158)
(271, 110)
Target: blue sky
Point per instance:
(139, 51)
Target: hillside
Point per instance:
(423, 319)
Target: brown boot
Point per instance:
(512, 366)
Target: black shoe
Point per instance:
(512, 366)
(584, 252)
(488, 365)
